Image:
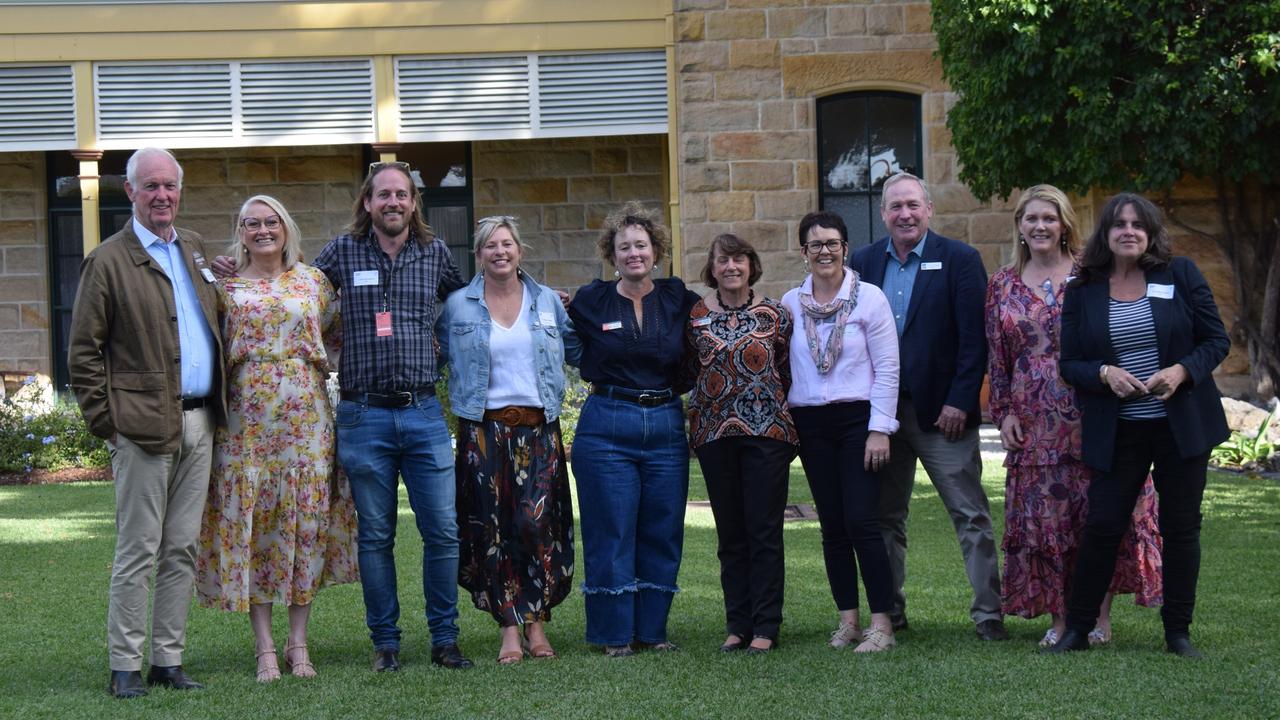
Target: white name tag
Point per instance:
(935, 265)
(547, 319)
(1155, 290)
(615, 325)
(701, 322)
(364, 277)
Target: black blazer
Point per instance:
(1188, 331)
(943, 344)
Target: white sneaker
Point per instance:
(845, 635)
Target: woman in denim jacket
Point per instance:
(506, 339)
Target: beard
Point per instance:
(390, 227)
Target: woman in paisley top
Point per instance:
(1039, 420)
(630, 455)
(279, 523)
(844, 399)
(743, 435)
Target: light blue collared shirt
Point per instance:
(900, 280)
(195, 339)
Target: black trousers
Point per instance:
(1142, 446)
(833, 440)
(747, 484)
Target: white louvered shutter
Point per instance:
(598, 90)
(290, 99)
(142, 101)
(463, 97)
(37, 107)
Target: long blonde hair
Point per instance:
(1070, 244)
(292, 253)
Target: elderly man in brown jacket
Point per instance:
(146, 366)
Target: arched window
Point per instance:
(863, 138)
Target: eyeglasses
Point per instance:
(379, 165)
(500, 219)
(254, 224)
(815, 246)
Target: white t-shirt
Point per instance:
(513, 376)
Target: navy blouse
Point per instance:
(617, 352)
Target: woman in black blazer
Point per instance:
(1141, 336)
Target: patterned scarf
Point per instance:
(825, 358)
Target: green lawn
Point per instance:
(56, 544)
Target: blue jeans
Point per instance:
(631, 464)
(377, 446)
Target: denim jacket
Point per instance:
(463, 331)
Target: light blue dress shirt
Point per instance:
(195, 339)
(900, 280)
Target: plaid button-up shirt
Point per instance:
(410, 287)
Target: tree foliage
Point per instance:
(1133, 94)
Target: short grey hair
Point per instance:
(899, 177)
(131, 167)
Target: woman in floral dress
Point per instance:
(279, 523)
(1046, 488)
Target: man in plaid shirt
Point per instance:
(390, 271)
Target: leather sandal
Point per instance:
(268, 673)
(300, 668)
(541, 651)
(510, 657)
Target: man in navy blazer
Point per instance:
(935, 286)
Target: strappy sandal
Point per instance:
(541, 651)
(618, 651)
(1050, 638)
(510, 657)
(1098, 636)
(269, 673)
(302, 668)
(875, 640)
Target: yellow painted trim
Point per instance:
(386, 104)
(86, 118)
(89, 205)
(205, 45)
(278, 17)
(670, 146)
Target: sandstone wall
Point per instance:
(560, 191)
(24, 259)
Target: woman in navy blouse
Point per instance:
(630, 456)
(1141, 336)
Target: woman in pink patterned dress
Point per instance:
(279, 523)
(1046, 488)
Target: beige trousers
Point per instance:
(159, 503)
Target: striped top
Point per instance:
(1133, 335)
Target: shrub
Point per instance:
(40, 431)
(1247, 452)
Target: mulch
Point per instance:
(54, 477)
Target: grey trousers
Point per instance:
(159, 502)
(956, 471)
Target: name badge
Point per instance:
(615, 325)
(701, 322)
(1156, 290)
(547, 319)
(935, 265)
(364, 277)
(207, 274)
(382, 324)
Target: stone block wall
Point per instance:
(748, 73)
(317, 185)
(24, 259)
(560, 191)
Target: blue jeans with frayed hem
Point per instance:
(631, 465)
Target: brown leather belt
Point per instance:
(516, 416)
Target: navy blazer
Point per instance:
(1188, 331)
(943, 345)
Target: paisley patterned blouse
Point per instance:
(741, 370)
(1023, 335)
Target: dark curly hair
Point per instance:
(633, 213)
